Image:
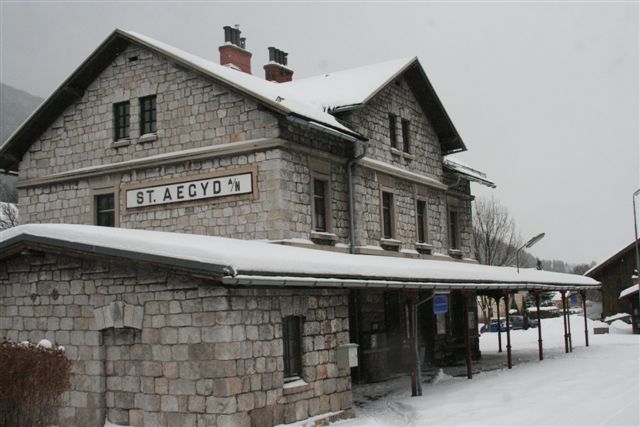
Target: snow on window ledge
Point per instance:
(147, 137)
(296, 386)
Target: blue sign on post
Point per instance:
(440, 304)
(574, 299)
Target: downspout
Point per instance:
(352, 221)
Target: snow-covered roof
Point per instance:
(350, 87)
(593, 271)
(310, 99)
(629, 291)
(253, 262)
(469, 172)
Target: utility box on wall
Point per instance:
(347, 356)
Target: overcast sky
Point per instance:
(545, 95)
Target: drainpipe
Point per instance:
(352, 221)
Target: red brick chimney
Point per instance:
(276, 70)
(233, 52)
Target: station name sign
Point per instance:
(220, 186)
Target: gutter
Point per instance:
(352, 221)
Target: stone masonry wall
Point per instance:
(191, 112)
(205, 355)
(372, 121)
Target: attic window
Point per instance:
(393, 132)
(133, 58)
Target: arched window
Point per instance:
(292, 338)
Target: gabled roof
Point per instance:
(270, 94)
(311, 100)
(353, 88)
(596, 269)
(255, 262)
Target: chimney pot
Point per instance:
(276, 70)
(233, 51)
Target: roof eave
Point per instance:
(11, 246)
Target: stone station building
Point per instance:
(345, 174)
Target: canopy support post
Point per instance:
(467, 341)
(499, 333)
(569, 327)
(539, 326)
(506, 303)
(414, 345)
(583, 294)
(564, 320)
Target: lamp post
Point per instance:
(527, 245)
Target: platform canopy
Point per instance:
(259, 263)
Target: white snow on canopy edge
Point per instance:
(246, 257)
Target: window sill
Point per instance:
(455, 253)
(323, 237)
(390, 244)
(396, 151)
(121, 143)
(147, 137)
(424, 248)
(408, 156)
(296, 386)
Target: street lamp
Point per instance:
(527, 245)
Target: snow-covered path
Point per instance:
(595, 386)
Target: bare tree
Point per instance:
(8, 215)
(494, 233)
(495, 241)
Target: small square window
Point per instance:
(121, 120)
(387, 215)
(393, 132)
(406, 138)
(105, 210)
(292, 340)
(320, 205)
(147, 115)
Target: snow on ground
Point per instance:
(595, 386)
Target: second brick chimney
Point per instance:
(276, 70)
(233, 52)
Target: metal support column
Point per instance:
(499, 333)
(414, 345)
(564, 320)
(467, 341)
(569, 328)
(506, 303)
(583, 294)
(539, 326)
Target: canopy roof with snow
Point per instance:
(309, 99)
(245, 262)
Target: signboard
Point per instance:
(440, 304)
(208, 188)
(574, 299)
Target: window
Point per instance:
(105, 210)
(393, 133)
(121, 120)
(147, 115)
(387, 215)
(421, 217)
(292, 338)
(406, 140)
(454, 240)
(320, 205)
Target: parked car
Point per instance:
(517, 322)
(493, 326)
